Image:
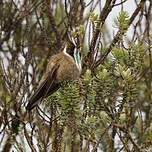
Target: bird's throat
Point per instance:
(77, 58)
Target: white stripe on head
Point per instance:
(65, 48)
(65, 52)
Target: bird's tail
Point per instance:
(38, 95)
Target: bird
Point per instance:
(62, 67)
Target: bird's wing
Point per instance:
(46, 88)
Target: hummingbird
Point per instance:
(64, 66)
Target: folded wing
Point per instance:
(46, 88)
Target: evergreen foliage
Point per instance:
(109, 108)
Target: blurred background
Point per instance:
(109, 108)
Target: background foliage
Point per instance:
(109, 108)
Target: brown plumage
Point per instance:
(61, 67)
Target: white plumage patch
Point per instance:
(77, 60)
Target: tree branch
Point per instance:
(103, 15)
(52, 22)
(117, 37)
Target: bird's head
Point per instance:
(74, 50)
